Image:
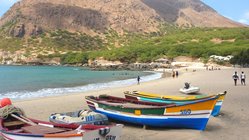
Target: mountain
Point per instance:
(75, 31)
(94, 17)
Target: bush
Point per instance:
(242, 58)
(74, 58)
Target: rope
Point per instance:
(8, 110)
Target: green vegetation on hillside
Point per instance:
(241, 58)
(52, 41)
(131, 47)
(74, 58)
(64, 40)
(195, 42)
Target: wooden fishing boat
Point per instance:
(15, 126)
(79, 117)
(149, 97)
(192, 115)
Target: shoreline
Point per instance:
(233, 119)
(165, 74)
(60, 91)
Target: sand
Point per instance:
(233, 123)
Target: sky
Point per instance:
(5, 5)
(237, 10)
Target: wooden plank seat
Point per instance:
(16, 131)
(13, 123)
(41, 130)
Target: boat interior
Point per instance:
(14, 125)
(117, 101)
(23, 125)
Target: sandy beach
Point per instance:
(233, 123)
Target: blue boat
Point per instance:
(191, 116)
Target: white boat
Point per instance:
(188, 89)
(15, 126)
(79, 117)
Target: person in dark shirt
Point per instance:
(177, 74)
(138, 80)
(235, 78)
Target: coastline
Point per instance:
(233, 118)
(49, 92)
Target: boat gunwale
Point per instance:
(73, 127)
(152, 107)
(134, 94)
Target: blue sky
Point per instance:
(237, 10)
(5, 5)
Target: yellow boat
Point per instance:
(150, 97)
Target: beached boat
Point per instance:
(149, 97)
(192, 115)
(15, 126)
(79, 117)
(188, 89)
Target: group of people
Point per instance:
(235, 77)
(175, 74)
(242, 78)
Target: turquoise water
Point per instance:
(21, 82)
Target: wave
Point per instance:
(79, 89)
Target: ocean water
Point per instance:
(23, 82)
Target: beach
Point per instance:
(233, 123)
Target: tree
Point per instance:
(242, 58)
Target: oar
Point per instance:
(27, 119)
(23, 120)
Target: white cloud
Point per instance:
(243, 21)
(246, 15)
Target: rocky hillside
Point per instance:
(72, 31)
(94, 17)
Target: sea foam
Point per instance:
(69, 90)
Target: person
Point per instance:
(177, 74)
(138, 80)
(173, 74)
(235, 78)
(243, 78)
(187, 85)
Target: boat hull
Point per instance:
(198, 123)
(190, 116)
(41, 130)
(113, 134)
(215, 112)
(8, 136)
(217, 108)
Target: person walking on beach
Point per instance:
(177, 74)
(173, 74)
(138, 80)
(243, 78)
(235, 78)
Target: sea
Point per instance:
(25, 82)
